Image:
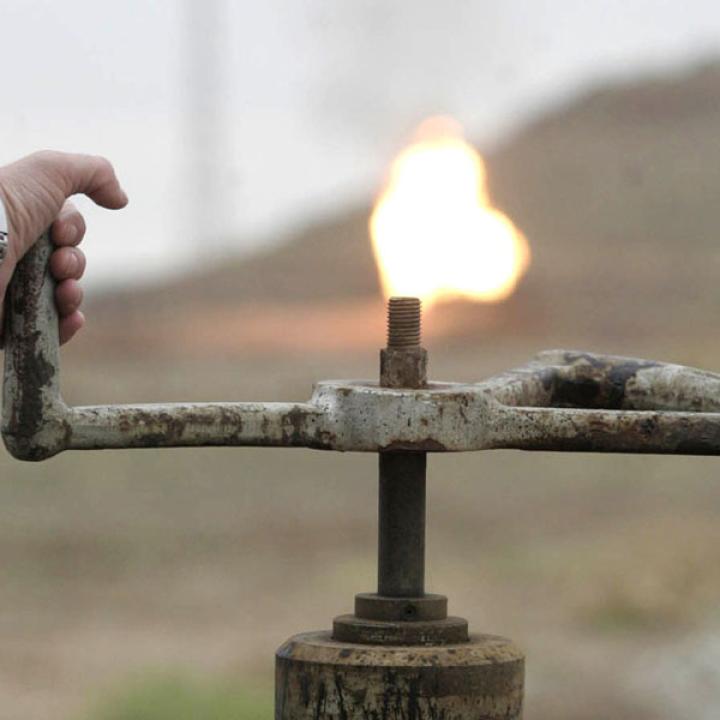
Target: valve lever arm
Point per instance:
(196, 424)
(562, 400)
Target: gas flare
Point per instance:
(434, 232)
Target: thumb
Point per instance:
(90, 175)
(36, 187)
(72, 173)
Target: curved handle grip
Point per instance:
(33, 418)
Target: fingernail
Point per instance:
(70, 233)
(71, 264)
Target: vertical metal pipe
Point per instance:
(401, 527)
(401, 537)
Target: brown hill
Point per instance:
(617, 193)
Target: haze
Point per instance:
(231, 123)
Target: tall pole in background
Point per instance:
(208, 210)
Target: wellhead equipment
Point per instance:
(399, 656)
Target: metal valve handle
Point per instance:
(562, 400)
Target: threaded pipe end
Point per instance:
(404, 320)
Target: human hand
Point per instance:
(35, 192)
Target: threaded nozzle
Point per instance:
(404, 319)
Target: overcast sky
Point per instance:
(230, 122)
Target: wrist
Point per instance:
(4, 231)
(7, 247)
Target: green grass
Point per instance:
(177, 697)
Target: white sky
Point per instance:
(315, 97)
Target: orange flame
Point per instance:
(434, 232)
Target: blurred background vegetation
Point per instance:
(175, 697)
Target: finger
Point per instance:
(70, 325)
(68, 297)
(69, 226)
(94, 176)
(67, 262)
(91, 175)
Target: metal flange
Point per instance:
(429, 606)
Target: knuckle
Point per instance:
(103, 165)
(46, 156)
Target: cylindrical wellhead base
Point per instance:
(318, 678)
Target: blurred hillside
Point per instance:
(616, 192)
